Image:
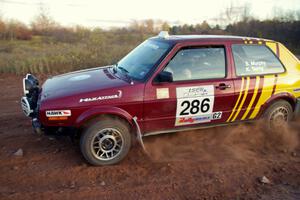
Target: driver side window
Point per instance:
(198, 63)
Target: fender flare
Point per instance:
(279, 96)
(94, 112)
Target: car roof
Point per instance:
(184, 38)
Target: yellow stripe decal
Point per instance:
(272, 46)
(237, 102)
(243, 100)
(265, 95)
(253, 97)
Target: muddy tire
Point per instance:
(278, 114)
(105, 142)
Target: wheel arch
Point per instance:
(291, 99)
(94, 113)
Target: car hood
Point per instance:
(80, 82)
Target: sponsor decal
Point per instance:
(217, 115)
(197, 91)
(198, 119)
(58, 113)
(101, 98)
(255, 66)
(162, 93)
(194, 104)
(253, 98)
(241, 99)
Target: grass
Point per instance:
(46, 55)
(54, 55)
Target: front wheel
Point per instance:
(278, 114)
(105, 142)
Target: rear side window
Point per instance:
(198, 63)
(255, 60)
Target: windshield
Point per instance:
(142, 59)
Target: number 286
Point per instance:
(193, 107)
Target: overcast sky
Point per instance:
(121, 12)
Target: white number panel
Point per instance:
(195, 105)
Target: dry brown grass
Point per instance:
(64, 53)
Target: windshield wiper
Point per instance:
(123, 69)
(116, 67)
(125, 72)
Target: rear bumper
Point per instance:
(297, 108)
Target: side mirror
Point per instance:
(164, 77)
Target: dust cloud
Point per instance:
(241, 142)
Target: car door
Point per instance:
(201, 93)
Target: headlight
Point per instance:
(33, 79)
(30, 83)
(26, 106)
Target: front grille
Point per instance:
(26, 106)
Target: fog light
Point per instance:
(26, 106)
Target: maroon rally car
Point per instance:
(166, 84)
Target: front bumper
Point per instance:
(29, 102)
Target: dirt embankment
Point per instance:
(218, 163)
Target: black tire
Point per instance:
(107, 130)
(278, 114)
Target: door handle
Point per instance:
(223, 86)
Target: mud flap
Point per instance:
(297, 108)
(139, 135)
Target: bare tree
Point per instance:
(1, 12)
(165, 26)
(234, 13)
(246, 12)
(298, 15)
(43, 22)
(280, 14)
(149, 25)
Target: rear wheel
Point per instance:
(278, 114)
(105, 142)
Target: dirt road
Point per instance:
(219, 163)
